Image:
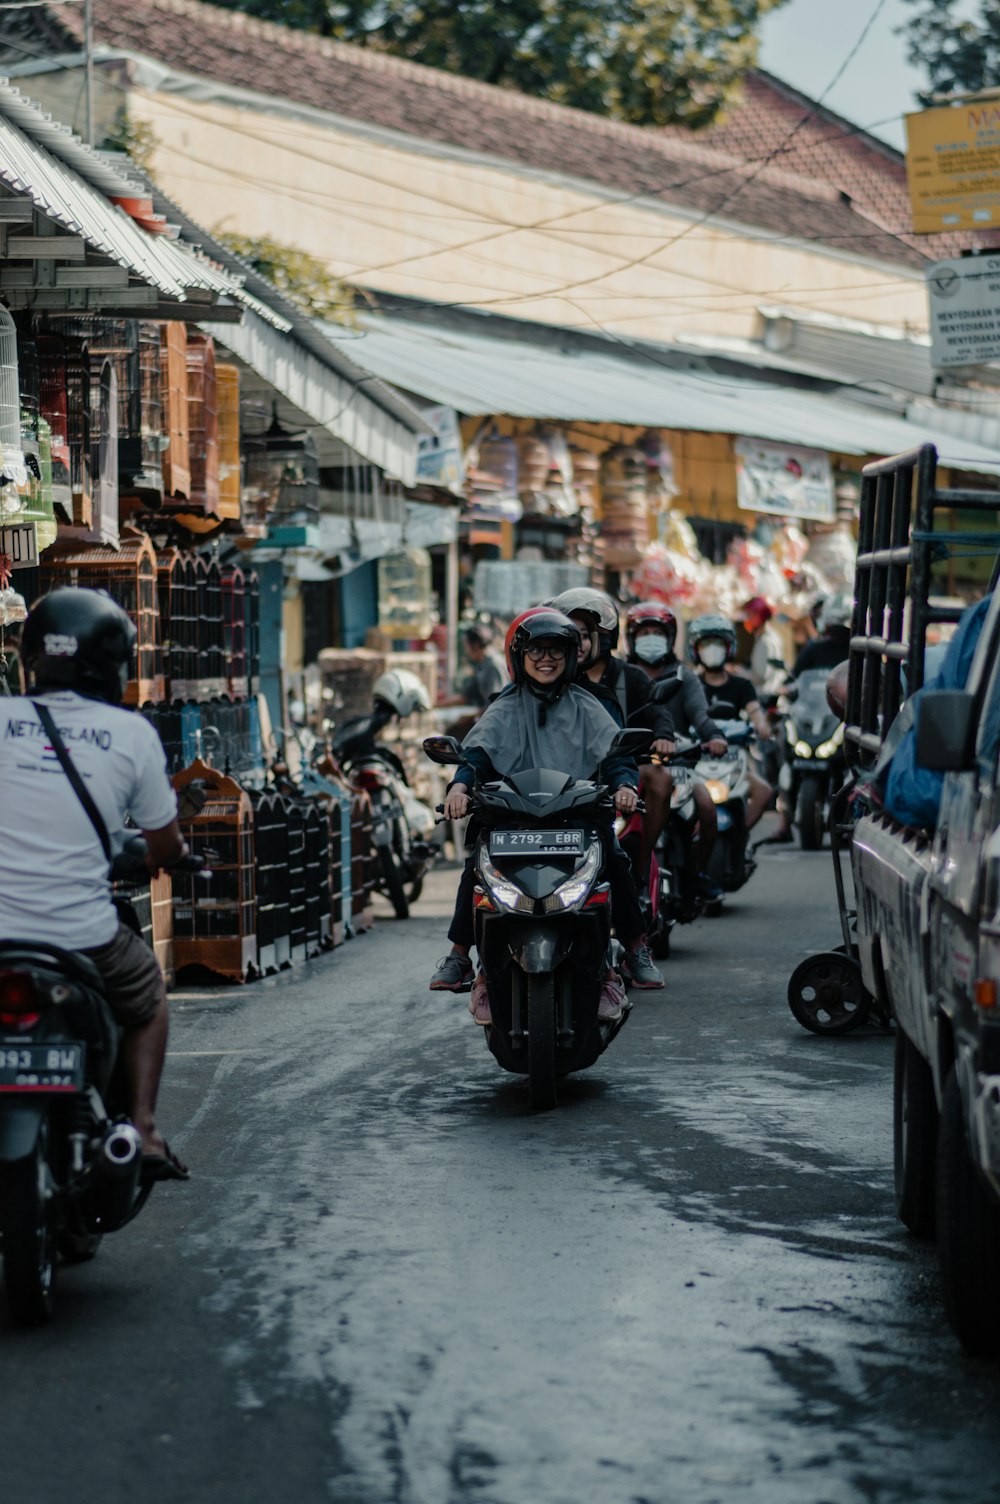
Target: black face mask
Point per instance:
(605, 645)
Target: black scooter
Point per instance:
(543, 915)
(70, 1160)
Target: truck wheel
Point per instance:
(27, 1226)
(968, 1223)
(392, 880)
(826, 994)
(914, 1137)
(541, 1001)
(809, 815)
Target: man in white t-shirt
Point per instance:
(54, 882)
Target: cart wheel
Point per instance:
(826, 994)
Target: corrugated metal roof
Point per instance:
(589, 381)
(46, 163)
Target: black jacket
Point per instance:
(628, 694)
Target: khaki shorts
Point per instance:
(132, 978)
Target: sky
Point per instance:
(806, 41)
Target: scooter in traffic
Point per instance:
(815, 765)
(70, 1159)
(726, 779)
(543, 916)
(402, 825)
(669, 893)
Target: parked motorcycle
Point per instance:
(543, 916)
(726, 779)
(814, 765)
(402, 825)
(70, 1159)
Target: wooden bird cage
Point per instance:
(317, 859)
(128, 574)
(251, 602)
(210, 627)
(103, 524)
(271, 849)
(133, 347)
(176, 418)
(362, 863)
(296, 877)
(203, 425)
(215, 920)
(185, 665)
(227, 392)
(235, 628)
(64, 403)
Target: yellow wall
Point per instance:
(389, 215)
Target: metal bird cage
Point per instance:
(317, 861)
(215, 920)
(210, 628)
(129, 576)
(96, 520)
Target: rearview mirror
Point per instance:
(946, 730)
(444, 749)
(633, 741)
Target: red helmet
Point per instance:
(543, 624)
(508, 640)
(759, 607)
(649, 611)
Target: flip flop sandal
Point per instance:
(166, 1166)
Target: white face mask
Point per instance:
(712, 655)
(652, 648)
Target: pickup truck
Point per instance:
(928, 900)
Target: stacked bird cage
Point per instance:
(129, 575)
(176, 421)
(210, 627)
(64, 404)
(96, 520)
(271, 850)
(203, 431)
(215, 920)
(234, 617)
(227, 391)
(133, 348)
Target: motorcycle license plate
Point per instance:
(40, 1067)
(536, 843)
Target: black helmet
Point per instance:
(540, 626)
(79, 639)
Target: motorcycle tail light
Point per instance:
(18, 1000)
(367, 780)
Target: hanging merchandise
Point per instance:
(13, 470)
(560, 497)
(405, 596)
(491, 479)
(624, 507)
(661, 484)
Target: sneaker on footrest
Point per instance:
(613, 999)
(479, 1002)
(453, 974)
(639, 971)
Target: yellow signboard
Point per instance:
(953, 167)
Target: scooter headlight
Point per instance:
(575, 889)
(505, 893)
(827, 749)
(718, 789)
(803, 749)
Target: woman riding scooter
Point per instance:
(650, 635)
(545, 720)
(627, 693)
(711, 641)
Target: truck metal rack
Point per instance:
(900, 541)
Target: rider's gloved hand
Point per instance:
(663, 748)
(456, 802)
(626, 799)
(717, 746)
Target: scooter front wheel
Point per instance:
(392, 881)
(541, 1004)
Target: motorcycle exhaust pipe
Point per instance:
(116, 1166)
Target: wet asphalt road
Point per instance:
(389, 1282)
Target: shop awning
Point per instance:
(69, 247)
(569, 379)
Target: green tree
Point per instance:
(301, 277)
(958, 52)
(652, 62)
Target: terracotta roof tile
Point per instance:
(776, 162)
